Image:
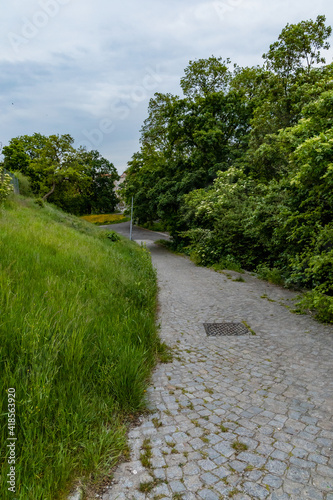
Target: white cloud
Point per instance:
(78, 67)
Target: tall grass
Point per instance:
(77, 342)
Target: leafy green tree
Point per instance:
(76, 180)
(298, 47)
(206, 76)
(100, 196)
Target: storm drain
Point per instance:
(225, 329)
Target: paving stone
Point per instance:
(319, 459)
(207, 465)
(279, 455)
(298, 475)
(161, 489)
(192, 483)
(273, 481)
(208, 478)
(177, 486)
(225, 449)
(174, 473)
(276, 467)
(252, 459)
(271, 391)
(255, 490)
(208, 495)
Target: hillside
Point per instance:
(78, 341)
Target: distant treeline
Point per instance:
(76, 180)
(240, 169)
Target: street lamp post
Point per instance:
(131, 224)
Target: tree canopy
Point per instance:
(77, 180)
(239, 168)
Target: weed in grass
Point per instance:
(238, 446)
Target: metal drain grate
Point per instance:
(225, 329)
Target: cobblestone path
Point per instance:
(247, 417)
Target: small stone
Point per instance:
(255, 490)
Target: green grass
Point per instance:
(77, 342)
(227, 263)
(238, 446)
(273, 275)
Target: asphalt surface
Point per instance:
(138, 233)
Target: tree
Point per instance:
(57, 163)
(205, 76)
(100, 196)
(298, 47)
(76, 180)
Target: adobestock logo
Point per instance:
(122, 110)
(39, 20)
(220, 9)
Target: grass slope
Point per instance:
(77, 342)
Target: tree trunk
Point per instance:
(50, 192)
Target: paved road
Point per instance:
(138, 233)
(242, 417)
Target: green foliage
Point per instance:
(240, 170)
(113, 236)
(24, 184)
(78, 341)
(77, 181)
(298, 46)
(319, 304)
(272, 275)
(205, 76)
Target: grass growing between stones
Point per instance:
(148, 486)
(146, 455)
(238, 446)
(77, 342)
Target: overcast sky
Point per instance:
(89, 68)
